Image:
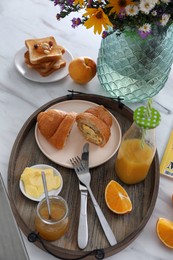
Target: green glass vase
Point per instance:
(133, 68)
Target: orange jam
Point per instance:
(55, 227)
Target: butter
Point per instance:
(91, 134)
(33, 184)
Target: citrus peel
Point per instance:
(164, 229)
(117, 198)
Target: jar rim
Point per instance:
(52, 222)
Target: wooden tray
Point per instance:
(126, 228)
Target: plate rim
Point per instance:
(38, 78)
(68, 165)
(42, 166)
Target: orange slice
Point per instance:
(117, 198)
(164, 229)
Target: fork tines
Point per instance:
(75, 161)
(77, 164)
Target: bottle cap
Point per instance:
(145, 120)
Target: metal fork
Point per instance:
(84, 176)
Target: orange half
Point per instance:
(117, 198)
(164, 229)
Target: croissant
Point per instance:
(95, 124)
(49, 121)
(102, 113)
(55, 126)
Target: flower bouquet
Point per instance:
(140, 16)
(135, 59)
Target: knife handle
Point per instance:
(83, 222)
(105, 226)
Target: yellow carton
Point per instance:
(166, 166)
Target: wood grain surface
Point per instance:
(126, 227)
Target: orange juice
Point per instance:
(54, 228)
(133, 160)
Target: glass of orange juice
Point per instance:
(52, 228)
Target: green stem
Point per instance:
(143, 138)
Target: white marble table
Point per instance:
(20, 97)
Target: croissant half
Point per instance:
(102, 113)
(95, 124)
(55, 126)
(49, 121)
(93, 129)
(60, 136)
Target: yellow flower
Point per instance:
(97, 18)
(117, 5)
(80, 2)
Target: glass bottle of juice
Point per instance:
(138, 146)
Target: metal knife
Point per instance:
(83, 222)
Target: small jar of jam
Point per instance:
(52, 228)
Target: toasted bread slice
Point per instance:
(44, 65)
(46, 72)
(43, 50)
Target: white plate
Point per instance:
(52, 192)
(33, 75)
(75, 141)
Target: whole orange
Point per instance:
(82, 69)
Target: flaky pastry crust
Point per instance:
(49, 121)
(102, 113)
(93, 128)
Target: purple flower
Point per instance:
(122, 13)
(60, 3)
(143, 34)
(70, 2)
(76, 22)
(58, 16)
(56, 2)
(62, 7)
(89, 3)
(104, 34)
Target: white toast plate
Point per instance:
(73, 147)
(33, 75)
